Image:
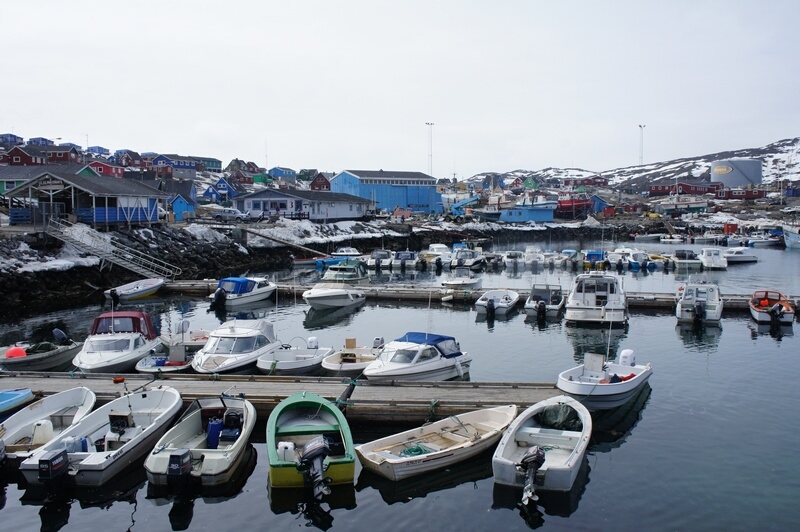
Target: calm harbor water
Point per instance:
(708, 446)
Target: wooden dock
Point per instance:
(420, 293)
(390, 403)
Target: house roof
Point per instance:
(203, 159)
(308, 195)
(96, 185)
(175, 157)
(179, 188)
(388, 174)
(18, 173)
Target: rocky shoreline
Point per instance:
(28, 290)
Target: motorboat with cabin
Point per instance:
(699, 302)
(420, 356)
(739, 255)
(117, 341)
(349, 271)
(463, 279)
(597, 297)
(713, 259)
(347, 252)
(468, 258)
(334, 295)
(235, 291)
(379, 259)
(235, 347)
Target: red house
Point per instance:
(106, 168)
(685, 188)
(26, 156)
(320, 183)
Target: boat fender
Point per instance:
(2, 450)
(459, 369)
(16, 352)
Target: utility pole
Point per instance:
(430, 148)
(641, 144)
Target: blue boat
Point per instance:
(538, 210)
(13, 400)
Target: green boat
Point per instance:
(309, 444)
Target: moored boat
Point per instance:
(106, 441)
(597, 297)
(463, 279)
(349, 271)
(41, 421)
(348, 252)
(309, 444)
(352, 360)
(234, 291)
(291, 360)
(771, 306)
(739, 255)
(436, 445)
(699, 302)
(135, 290)
(13, 399)
(41, 356)
(117, 341)
(545, 300)
(500, 301)
(713, 259)
(235, 347)
(600, 384)
(333, 295)
(544, 447)
(205, 445)
(420, 356)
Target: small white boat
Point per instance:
(771, 306)
(380, 258)
(290, 360)
(436, 445)
(648, 237)
(468, 258)
(500, 301)
(41, 421)
(106, 441)
(739, 255)
(333, 295)
(180, 351)
(135, 290)
(117, 341)
(699, 302)
(599, 384)
(348, 271)
(761, 239)
(627, 258)
(234, 291)
(685, 259)
(545, 301)
(41, 356)
(544, 447)
(404, 260)
(463, 279)
(514, 259)
(672, 239)
(533, 257)
(235, 347)
(205, 445)
(597, 297)
(346, 252)
(352, 360)
(419, 356)
(713, 259)
(437, 254)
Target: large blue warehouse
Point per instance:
(414, 191)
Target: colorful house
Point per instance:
(223, 190)
(280, 172)
(389, 189)
(304, 204)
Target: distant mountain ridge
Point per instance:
(779, 160)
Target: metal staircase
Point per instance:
(87, 239)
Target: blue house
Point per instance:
(282, 173)
(224, 190)
(40, 141)
(414, 191)
(184, 167)
(10, 139)
(182, 198)
(98, 150)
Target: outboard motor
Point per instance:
(311, 464)
(179, 467)
(699, 313)
(574, 265)
(377, 264)
(541, 310)
(61, 337)
(619, 265)
(220, 296)
(53, 465)
(490, 308)
(114, 297)
(530, 464)
(438, 264)
(776, 313)
(421, 265)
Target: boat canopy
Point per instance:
(446, 345)
(131, 321)
(237, 285)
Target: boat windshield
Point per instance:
(400, 356)
(107, 344)
(226, 345)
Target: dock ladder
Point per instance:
(87, 239)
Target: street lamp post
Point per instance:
(641, 144)
(430, 148)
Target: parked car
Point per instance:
(231, 215)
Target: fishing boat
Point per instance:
(205, 445)
(235, 347)
(628, 258)
(762, 239)
(41, 421)
(333, 295)
(494, 302)
(739, 255)
(600, 384)
(291, 360)
(436, 445)
(419, 356)
(573, 204)
(13, 399)
(41, 356)
(352, 360)
(699, 302)
(135, 290)
(106, 441)
(545, 301)
(713, 259)
(117, 341)
(544, 447)
(771, 306)
(234, 291)
(309, 444)
(597, 297)
(349, 271)
(791, 236)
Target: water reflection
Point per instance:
(610, 428)
(557, 503)
(322, 318)
(56, 501)
(697, 336)
(403, 491)
(589, 339)
(182, 498)
(776, 331)
(317, 512)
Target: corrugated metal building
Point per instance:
(414, 191)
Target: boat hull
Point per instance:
(59, 358)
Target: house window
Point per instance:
(351, 207)
(99, 169)
(16, 159)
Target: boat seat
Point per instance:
(526, 436)
(301, 430)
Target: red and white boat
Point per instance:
(573, 204)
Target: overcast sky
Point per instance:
(337, 85)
